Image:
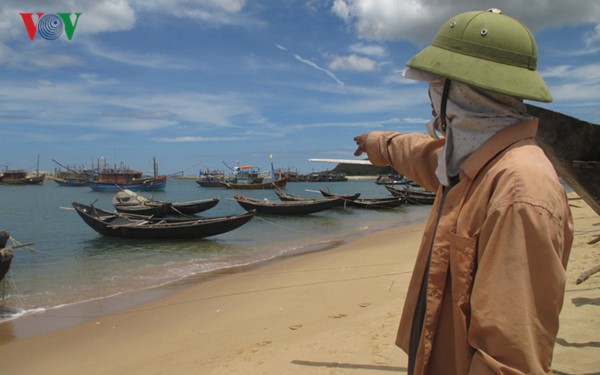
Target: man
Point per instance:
(489, 279)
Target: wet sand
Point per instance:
(327, 312)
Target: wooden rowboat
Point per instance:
(412, 195)
(281, 183)
(115, 224)
(286, 207)
(367, 203)
(132, 202)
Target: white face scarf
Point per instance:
(473, 116)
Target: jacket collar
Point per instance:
(497, 143)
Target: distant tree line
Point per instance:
(362, 170)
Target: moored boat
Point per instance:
(194, 207)
(116, 179)
(129, 198)
(367, 203)
(389, 179)
(115, 224)
(71, 181)
(376, 203)
(286, 207)
(141, 184)
(156, 209)
(22, 177)
(293, 197)
(413, 195)
(280, 183)
(6, 254)
(251, 178)
(349, 197)
(211, 178)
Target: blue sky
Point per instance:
(198, 83)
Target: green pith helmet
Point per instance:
(489, 50)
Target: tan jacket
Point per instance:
(497, 273)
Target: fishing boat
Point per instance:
(280, 183)
(247, 177)
(155, 209)
(116, 224)
(211, 178)
(6, 254)
(116, 179)
(285, 207)
(194, 207)
(327, 176)
(73, 181)
(412, 195)
(73, 176)
(347, 197)
(376, 203)
(129, 198)
(389, 179)
(293, 197)
(367, 203)
(22, 177)
(142, 184)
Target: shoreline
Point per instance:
(326, 312)
(47, 320)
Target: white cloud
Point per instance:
(155, 60)
(574, 83)
(369, 49)
(207, 12)
(93, 79)
(419, 20)
(188, 139)
(228, 6)
(593, 37)
(353, 63)
(122, 110)
(341, 9)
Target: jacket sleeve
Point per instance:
(518, 289)
(413, 155)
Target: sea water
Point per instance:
(71, 263)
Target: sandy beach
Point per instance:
(328, 312)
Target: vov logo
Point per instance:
(50, 26)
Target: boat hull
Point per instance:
(281, 183)
(151, 184)
(286, 207)
(35, 180)
(140, 227)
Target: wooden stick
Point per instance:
(594, 240)
(19, 245)
(584, 276)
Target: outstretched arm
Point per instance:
(413, 155)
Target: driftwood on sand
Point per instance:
(584, 276)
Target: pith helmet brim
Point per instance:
(506, 79)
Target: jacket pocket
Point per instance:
(463, 264)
